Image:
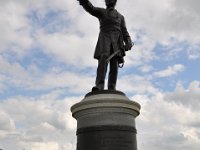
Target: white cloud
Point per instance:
(10, 69)
(189, 97)
(2, 86)
(171, 70)
(41, 123)
(6, 122)
(166, 22)
(43, 146)
(43, 113)
(136, 84)
(164, 19)
(14, 74)
(161, 119)
(146, 68)
(165, 119)
(161, 22)
(142, 52)
(69, 48)
(15, 27)
(74, 82)
(193, 52)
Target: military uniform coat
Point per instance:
(113, 30)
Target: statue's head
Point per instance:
(110, 3)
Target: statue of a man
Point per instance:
(110, 47)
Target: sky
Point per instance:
(47, 65)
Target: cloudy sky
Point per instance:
(47, 65)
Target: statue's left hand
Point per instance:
(129, 44)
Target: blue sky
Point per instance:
(47, 65)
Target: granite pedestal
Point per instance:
(106, 121)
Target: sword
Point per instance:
(121, 62)
(111, 56)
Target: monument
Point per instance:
(106, 118)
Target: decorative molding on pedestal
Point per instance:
(106, 121)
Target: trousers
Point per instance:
(102, 70)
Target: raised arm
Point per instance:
(87, 5)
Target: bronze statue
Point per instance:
(113, 41)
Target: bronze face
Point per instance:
(110, 3)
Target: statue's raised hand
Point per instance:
(82, 2)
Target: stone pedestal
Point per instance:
(106, 121)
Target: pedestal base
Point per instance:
(107, 138)
(106, 121)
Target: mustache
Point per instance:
(111, 4)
